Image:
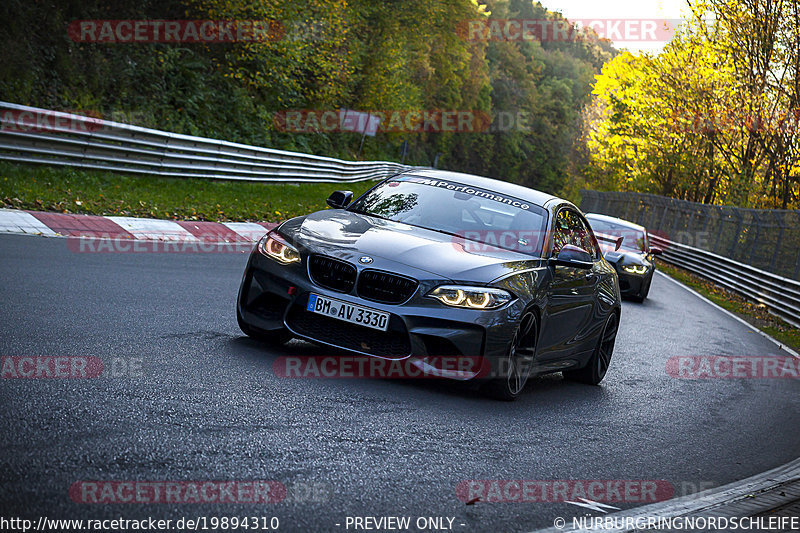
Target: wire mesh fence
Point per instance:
(767, 239)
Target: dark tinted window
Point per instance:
(570, 229)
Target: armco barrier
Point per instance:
(780, 295)
(33, 135)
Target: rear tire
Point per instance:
(597, 367)
(523, 345)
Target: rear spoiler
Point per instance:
(608, 238)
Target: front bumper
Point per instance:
(274, 297)
(631, 284)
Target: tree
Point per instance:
(712, 118)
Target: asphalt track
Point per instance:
(206, 405)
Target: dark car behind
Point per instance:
(633, 260)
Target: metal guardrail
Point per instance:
(780, 295)
(34, 135)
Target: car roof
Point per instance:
(523, 193)
(615, 220)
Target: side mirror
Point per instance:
(572, 256)
(655, 250)
(340, 199)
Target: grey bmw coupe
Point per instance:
(431, 263)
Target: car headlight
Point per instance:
(635, 269)
(274, 246)
(471, 297)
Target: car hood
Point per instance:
(401, 247)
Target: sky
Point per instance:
(641, 11)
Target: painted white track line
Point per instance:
(732, 315)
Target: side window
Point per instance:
(584, 236)
(561, 231)
(570, 229)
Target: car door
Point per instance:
(571, 294)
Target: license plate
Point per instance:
(355, 314)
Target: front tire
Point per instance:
(595, 370)
(522, 346)
(276, 337)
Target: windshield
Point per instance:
(460, 210)
(633, 239)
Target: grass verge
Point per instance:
(69, 190)
(753, 313)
